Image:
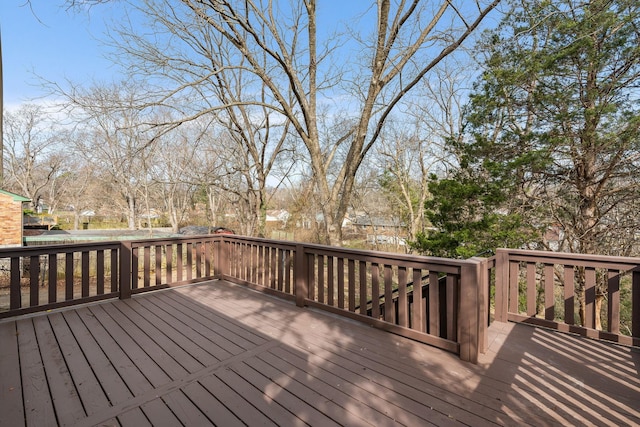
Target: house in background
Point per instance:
(11, 221)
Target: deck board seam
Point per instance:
(175, 385)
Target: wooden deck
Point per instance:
(220, 354)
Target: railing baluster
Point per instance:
(100, 272)
(34, 281)
(375, 291)
(85, 273)
(53, 278)
(340, 282)
(389, 306)
(434, 304)
(351, 270)
(321, 285)
(613, 305)
(590, 297)
(158, 266)
(364, 298)
(635, 303)
(403, 315)
(549, 294)
(569, 295)
(68, 276)
(419, 310)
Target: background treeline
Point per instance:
(468, 132)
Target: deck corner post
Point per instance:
(301, 276)
(502, 285)
(125, 270)
(469, 311)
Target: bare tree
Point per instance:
(194, 42)
(31, 161)
(120, 136)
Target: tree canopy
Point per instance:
(551, 143)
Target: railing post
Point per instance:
(300, 276)
(502, 285)
(125, 270)
(469, 310)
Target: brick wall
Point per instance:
(10, 221)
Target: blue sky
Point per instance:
(42, 39)
(45, 40)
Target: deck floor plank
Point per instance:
(89, 390)
(38, 405)
(220, 354)
(326, 383)
(110, 380)
(294, 404)
(185, 410)
(386, 353)
(135, 381)
(11, 406)
(230, 330)
(210, 405)
(473, 412)
(144, 363)
(66, 400)
(181, 334)
(161, 367)
(221, 345)
(162, 337)
(249, 404)
(309, 392)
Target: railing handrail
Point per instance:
(19, 251)
(573, 258)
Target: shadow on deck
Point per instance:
(220, 354)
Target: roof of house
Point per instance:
(16, 197)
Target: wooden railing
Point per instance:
(432, 300)
(442, 302)
(590, 295)
(46, 277)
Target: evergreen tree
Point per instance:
(552, 137)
